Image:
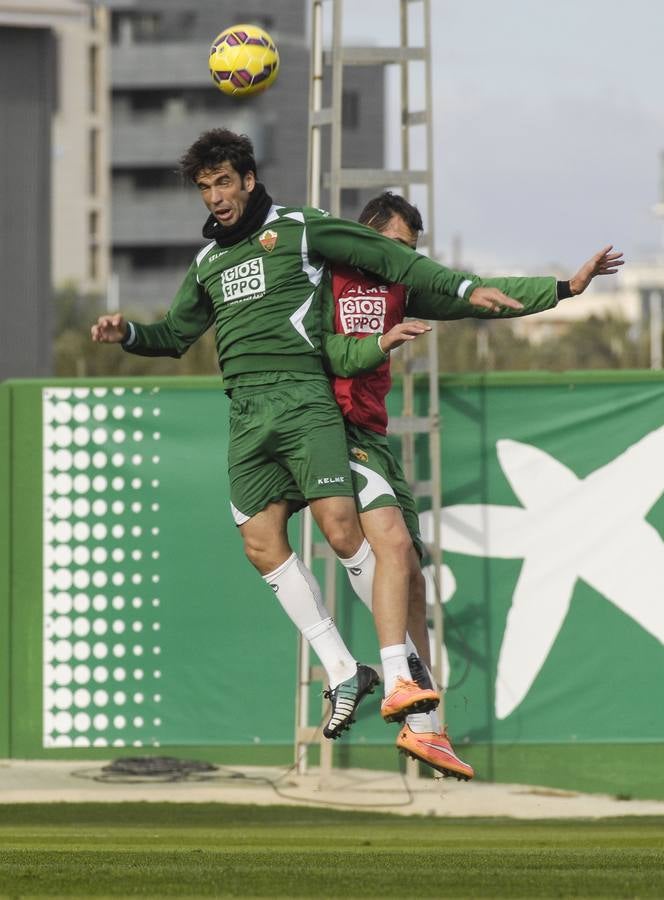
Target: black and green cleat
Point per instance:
(346, 697)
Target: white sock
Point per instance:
(328, 646)
(395, 665)
(423, 723)
(410, 647)
(361, 568)
(299, 594)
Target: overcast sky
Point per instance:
(549, 122)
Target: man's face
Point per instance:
(399, 230)
(225, 192)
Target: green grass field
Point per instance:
(219, 850)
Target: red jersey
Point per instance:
(362, 307)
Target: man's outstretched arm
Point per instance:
(605, 262)
(188, 318)
(110, 329)
(348, 356)
(349, 243)
(535, 294)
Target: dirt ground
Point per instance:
(353, 789)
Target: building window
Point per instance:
(148, 101)
(93, 161)
(266, 22)
(122, 28)
(350, 109)
(161, 258)
(151, 179)
(350, 199)
(128, 27)
(182, 26)
(147, 28)
(93, 77)
(94, 17)
(93, 245)
(93, 262)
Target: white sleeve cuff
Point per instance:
(131, 336)
(463, 287)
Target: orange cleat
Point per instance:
(434, 750)
(408, 697)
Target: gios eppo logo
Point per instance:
(362, 314)
(245, 281)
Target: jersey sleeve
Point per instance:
(343, 355)
(342, 241)
(189, 316)
(536, 294)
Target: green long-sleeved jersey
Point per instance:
(261, 293)
(346, 356)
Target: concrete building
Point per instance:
(53, 169)
(163, 97)
(81, 143)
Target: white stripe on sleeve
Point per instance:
(463, 287)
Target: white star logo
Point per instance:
(568, 528)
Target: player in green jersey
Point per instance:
(365, 321)
(256, 283)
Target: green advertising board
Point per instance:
(553, 537)
(131, 619)
(136, 621)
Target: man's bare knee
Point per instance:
(387, 533)
(394, 542)
(344, 537)
(258, 554)
(265, 538)
(337, 519)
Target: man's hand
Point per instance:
(405, 331)
(109, 329)
(492, 299)
(603, 263)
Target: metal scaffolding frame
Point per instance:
(325, 128)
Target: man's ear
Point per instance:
(249, 182)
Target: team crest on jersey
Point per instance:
(268, 240)
(360, 455)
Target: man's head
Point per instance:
(394, 217)
(222, 165)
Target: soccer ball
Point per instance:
(243, 60)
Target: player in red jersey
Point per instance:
(362, 307)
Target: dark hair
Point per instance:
(217, 146)
(379, 210)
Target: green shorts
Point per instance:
(286, 442)
(378, 479)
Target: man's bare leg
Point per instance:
(265, 537)
(417, 608)
(375, 521)
(337, 519)
(386, 531)
(267, 548)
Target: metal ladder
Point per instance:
(330, 63)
